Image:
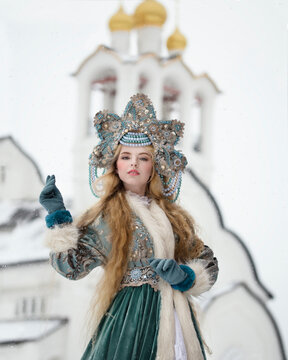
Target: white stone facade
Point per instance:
(19, 177)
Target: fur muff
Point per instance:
(62, 238)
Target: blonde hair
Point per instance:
(112, 203)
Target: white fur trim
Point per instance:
(166, 332)
(62, 238)
(180, 348)
(160, 230)
(202, 278)
(192, 344)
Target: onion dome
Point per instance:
(121, 21)
(176, 41)
(150, 12)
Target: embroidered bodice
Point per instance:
(94, 246)
(152, 237)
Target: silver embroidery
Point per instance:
(140, 276)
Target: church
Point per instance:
(235, 320)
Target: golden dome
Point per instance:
(121, 21)
(150, 12)
(176, 41)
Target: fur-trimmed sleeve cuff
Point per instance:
(60, 239)
(58, 217)
(206, 272)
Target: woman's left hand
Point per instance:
(169, 270)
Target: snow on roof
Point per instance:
(22, 228)
(19, 331)
(13, 141)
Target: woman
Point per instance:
(147, 245)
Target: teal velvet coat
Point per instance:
(140, 323)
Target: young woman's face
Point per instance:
(134, 167)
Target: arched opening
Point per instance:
(143, 83)
(102, 95)
(170, 101)
(196, 126)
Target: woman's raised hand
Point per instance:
(50, 197)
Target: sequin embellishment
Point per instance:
(140, 276)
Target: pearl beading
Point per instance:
(135, 139)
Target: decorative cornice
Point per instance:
(161, 61)
(24, 263)
(200, 76)
(100, 48)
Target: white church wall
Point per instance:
(71, 299)
(149, 66)
(25, 293)
(205, 91)
(233, 260)
(253, 336)
(120, 41)
(149, 39)
(127, 85)
(51, 347)
(15, 165)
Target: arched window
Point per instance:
(2, 174)
(102, 95)
(143, 83)
(196, 130)
(170, 102)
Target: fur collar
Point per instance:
(157, 224)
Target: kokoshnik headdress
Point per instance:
(138, 126)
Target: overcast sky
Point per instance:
(241, 44)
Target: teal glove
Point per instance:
(169, 270)
(50, 197)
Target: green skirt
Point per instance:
(129, 329)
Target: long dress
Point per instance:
(147, 319)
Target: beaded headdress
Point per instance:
(138, 126)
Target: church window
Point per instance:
(24, 306)
(2, 174)
(30, 306)
(196, 123)
(42, 306)
(102, 96)
(171, 106)
(33, 306)
(143, 82)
